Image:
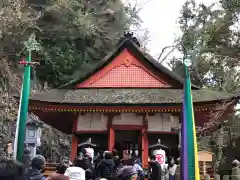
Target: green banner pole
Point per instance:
(24, 107)
(31, 45)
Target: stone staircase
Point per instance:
(50, 168)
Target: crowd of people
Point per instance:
(105, 166)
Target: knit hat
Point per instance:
(126, 172)
(235, 162)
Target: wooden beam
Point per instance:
(145, 141)
(111, 131)
(74, 147)
(111, 139)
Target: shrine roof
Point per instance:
(127, 96)
(142, 56)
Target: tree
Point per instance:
(209, 40)
(74, 34)
(210, 37)
(79, 34)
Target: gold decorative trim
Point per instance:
(113, 110)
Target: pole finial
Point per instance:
(31, 44)
(187, 62)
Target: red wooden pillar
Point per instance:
(74, 147)
(145, 141)
(74, 140)
(144, 148)
(111, 139)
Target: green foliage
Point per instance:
(74, 34)
(210, 38)
(58, 62)
(80, 34)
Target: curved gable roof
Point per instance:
(144, 57)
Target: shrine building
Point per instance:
(129, 101)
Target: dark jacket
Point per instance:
(155, 170)
(105, 168)
(34, 174)
(126, 172)
(84, 163)
(117, 165)
(127, 162)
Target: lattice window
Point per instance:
(131, 76)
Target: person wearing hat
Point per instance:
(127, 173)
(235, 170)
(75, 172)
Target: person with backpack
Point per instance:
(38, 165)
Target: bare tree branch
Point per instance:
(166, 56)
(136, 11)
(173, 47)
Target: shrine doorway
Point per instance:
(128, 142)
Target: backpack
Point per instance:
(39, 177)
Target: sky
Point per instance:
(160, 17)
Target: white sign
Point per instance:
(90, 152)
(160, 156)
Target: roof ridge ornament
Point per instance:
(130, 36)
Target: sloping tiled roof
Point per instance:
(127, 96)
(130, 45)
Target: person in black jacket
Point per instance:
(106, 166)
(155, 169)
(11, 170)
(38, 165)
(83, 161)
